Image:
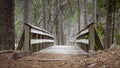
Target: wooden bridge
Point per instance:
(38, 40)
(88, 39)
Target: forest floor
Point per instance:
(109, 58)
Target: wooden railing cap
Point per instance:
(86, 27)
(37, 28)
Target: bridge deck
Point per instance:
(63, 49)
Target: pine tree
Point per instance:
(7, 35)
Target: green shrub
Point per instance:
(100, 29)
(117, 38)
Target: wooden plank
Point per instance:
(36, 41)
(92, 37)
(85, 28)
(27, 38)
(40, 32)
(34, 38)
(37, 28)
(83, 32)
(84, 41)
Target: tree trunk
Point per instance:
(113, 24)
(7, 34)
(49, 21)
(61, 24)
(26, 11)
(85, 12)
(62, 34)
(94, 11)
(78, 3)
(44, 14)
(57, 32)
(108, 29)
(58, 23)
(70, 7)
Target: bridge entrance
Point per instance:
(35, 39)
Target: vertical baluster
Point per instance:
(33, 46)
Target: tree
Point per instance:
(78, 3)
(61, 24)
(44, 14)
(85, 12)
(7, 35)
(26, 11)
(58, 22)
(108, 29)
(94, 11)
(113, 24)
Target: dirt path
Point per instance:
(109, 58)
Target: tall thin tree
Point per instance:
(94, 11)
(61, 24)
(56, 21)
(78, 3)
(26, 11)
(85, 12)
(44, 14)
(113, 24)
(108, 29)
(7, 35)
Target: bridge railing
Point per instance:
(88, 38)
(35, 39)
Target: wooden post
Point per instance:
(40, 44)
(46, 44)
(27, 38)
(33, 46)
(30, 33)
(43, 44)
(92, 37)
(37, 49)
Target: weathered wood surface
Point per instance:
(40, 32)
(85, 41)
(63, 49)
(34, 38)
(92, 37)
(35, 41)
(85, 28)
(27, 38)
(83, 32)
(89, 36)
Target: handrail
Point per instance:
(37, 28)
(88, 38)
(85, 27)
(35, 38)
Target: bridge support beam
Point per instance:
(27, 38)
(92, 37)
